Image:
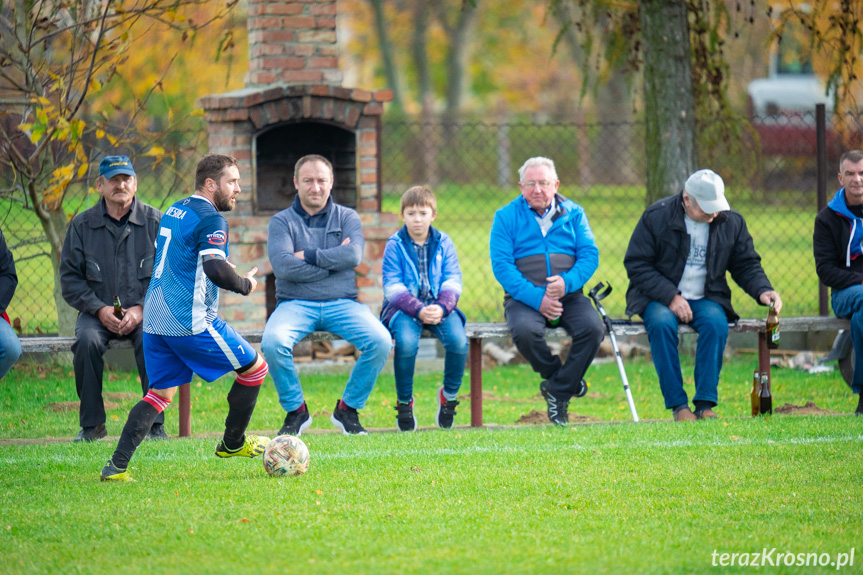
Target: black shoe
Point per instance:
(157, 432)
(89, 434)
(581, 391)
(859, 411)
(297, 421)
(556, 407)
(405, 416)
(445, 410)
(347, 419)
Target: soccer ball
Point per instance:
(286, 455)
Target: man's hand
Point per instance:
(556, 287)
(680, 307)
(431, 314)
(769, 296)
(345, 241)
(251, 277)
(106, 316)
(133, 318)
(550, 308)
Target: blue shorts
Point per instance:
(171, 361)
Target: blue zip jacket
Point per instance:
(521, 258)
(401, 275)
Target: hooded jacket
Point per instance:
(402, 281)
(658, 249)
(522, 258)
(836, 243)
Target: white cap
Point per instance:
(708, 190)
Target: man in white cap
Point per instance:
(677, 261)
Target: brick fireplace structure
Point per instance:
(293, 104)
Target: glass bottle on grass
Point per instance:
(755, 396)
(766, 400)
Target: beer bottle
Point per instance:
(766, 401)
(772, 328)
(553, 322)
(755, 396)
(118, 309)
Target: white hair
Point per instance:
(538, 161)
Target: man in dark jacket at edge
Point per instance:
(837, 245)
(108, 251)
(677, 261)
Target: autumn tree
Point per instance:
(57, 62)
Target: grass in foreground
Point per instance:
(648, 498)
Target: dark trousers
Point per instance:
(580, 321)
(91, 342)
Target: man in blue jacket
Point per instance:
(542, 253)
(838, 246)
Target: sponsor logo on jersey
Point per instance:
(175, 213)
(218, 238)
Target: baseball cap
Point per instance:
(113, 165)
(708, 190)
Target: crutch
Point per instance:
(598, 293)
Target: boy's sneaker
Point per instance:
(347, 419)
(445, 410)
(557, 407)
(581, 391)
(405, 416)
(297, 421)
(112, 473)
(252, 447)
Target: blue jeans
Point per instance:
(10, 347)
(848, 303)
(292, 320)
(407, 332)
(709, 320)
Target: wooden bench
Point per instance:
(476, 333)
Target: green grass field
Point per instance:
(612, 497)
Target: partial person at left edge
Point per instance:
(10, 346)
(108, 253)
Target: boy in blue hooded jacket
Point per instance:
(422, 284)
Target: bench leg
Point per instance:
(185, 410)
(475, 353)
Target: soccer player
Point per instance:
(182, 333)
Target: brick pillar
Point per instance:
(292, 42)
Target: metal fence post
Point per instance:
(821, 148)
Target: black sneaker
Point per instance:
(405, 416)
(556, 407)
(157, 432)
(445, 410)
(297, 421)
(347, 419)
(89, 434)
(859, 411)
(581, 391)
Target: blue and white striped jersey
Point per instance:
(181, 300)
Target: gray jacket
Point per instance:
(100, 260)
(327, 271)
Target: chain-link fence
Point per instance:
(472, 167)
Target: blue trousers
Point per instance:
(709, 320)
(292, 320)
(10, 347)
(848, 303)
(407, 332)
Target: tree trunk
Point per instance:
(668, 97)
(388, 55)
(55, 227)
(457, 59)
